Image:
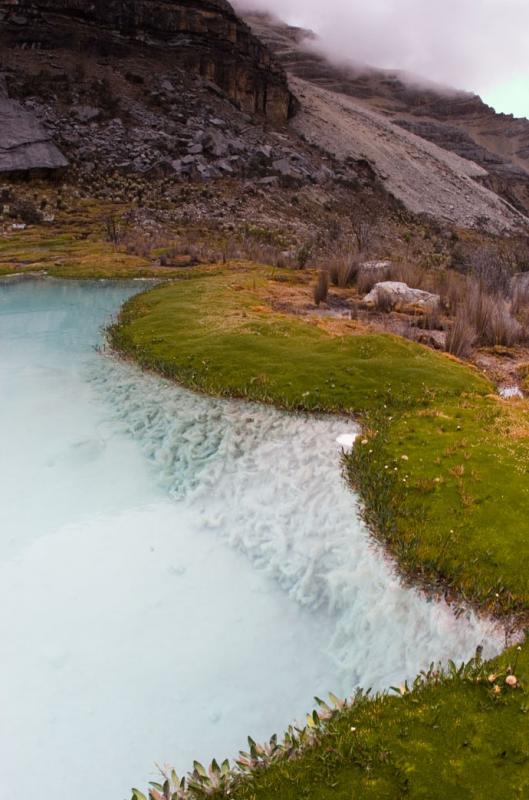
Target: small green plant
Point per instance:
(304, 255)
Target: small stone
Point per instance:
(87, 113)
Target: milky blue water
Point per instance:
(176, 572)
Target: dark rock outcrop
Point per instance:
(205, 37)
(24, 144)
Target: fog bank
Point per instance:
(478, 45)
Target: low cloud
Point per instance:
(469, 44)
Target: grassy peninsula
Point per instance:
(441, 467)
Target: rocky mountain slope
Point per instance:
(170, 91)
(124, 91)
(452, 120)
(139, 97)
(426, 178)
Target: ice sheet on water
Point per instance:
(270, 484)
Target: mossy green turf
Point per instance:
(442, 467)
(454, 740)
(214, 332)
(446, 487)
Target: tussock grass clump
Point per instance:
(481, 318)
(520, 303)
(368, 278)
(413, 275)
(385, 301)
(491, 317)
(460, 336)
(321, 288)
(343, 271)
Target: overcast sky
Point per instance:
(478, 45)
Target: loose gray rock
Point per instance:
(24, 144)
(224, 165)
(87, 113)
(401, 297)
(215, 143)
(265, 151)
(284, 167)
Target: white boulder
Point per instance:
(400, 296)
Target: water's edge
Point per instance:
(178, 570)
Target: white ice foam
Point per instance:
(270, 484)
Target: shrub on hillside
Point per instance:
(27, 211)
(460, 336)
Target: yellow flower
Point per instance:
(497, 689)
(492, 678)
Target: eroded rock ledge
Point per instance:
(206, 38)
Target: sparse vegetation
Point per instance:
(304, 254)
(27, 211)
(321, 289)
(364, 231)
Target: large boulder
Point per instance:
(401, 297)
(24, 144)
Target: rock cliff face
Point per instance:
(205, 37)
